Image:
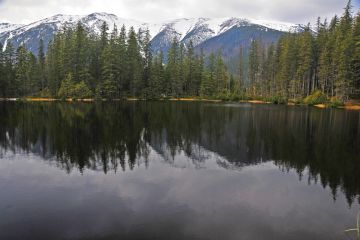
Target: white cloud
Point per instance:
(296, 11)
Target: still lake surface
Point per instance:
(176, 170)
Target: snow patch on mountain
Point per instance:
(182, 26)
(5, 27)
(197, 30)
(94, 22)
(279, 26)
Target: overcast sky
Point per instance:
(294, 11)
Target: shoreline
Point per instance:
(346, 106)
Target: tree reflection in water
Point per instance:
(121, 135)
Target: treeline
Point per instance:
(323, 64)
(80, 64)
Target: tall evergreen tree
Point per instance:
(134, 57)
(147, 53)
(344, 51)
(20, 85)
(356, 57)
(2, 73)
(240, 83)
(173, 69)
(9, 70)
(41, 61)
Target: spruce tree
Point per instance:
(356, 58)
(2, 73)
(344, 51)
(20, 84)
(173, 69)
(121, 51)
(147, 53)
(9, 76)
(134, 63)
(240, 83)
(254, 66)
(41, 67)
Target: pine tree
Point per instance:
(327, 64)
(41, 60)
(254, 66)
(190, 85)
(287, 66)
(2, 73)
(303, 79)
(208, 82)
(221, 76)
(107, 86)
(9, 57)
(200, 70)
(20, 85)
(173, 69)
(81, 71)
(356, 57)
(207, 85)
(33, 73)
(121, 51)
(344, 51)
(240, 83)
(134, 64)
(54, 64)
(104, 36)
(147, 53)
(157, 78)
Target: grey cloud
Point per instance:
(297, 11)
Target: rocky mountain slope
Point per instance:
(226, 34)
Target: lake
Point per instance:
(177, 170)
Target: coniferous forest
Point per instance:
(316, 65)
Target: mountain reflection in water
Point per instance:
(113, 136)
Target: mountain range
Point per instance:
(209, 34)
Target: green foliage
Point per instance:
(335, 102)
(70, 89)
(121, 64)
(65, 90)
(316, 97)
(81, 90)
(277, 100)
(224, 96)
(44, 93)
(208, 85)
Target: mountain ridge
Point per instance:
(197, 30)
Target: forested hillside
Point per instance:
(324, 65)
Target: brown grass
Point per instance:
(194, 100)
(254, 101)
(320, 105)
(41, 99)
(132, 99)
(184, 99)
(352, 107)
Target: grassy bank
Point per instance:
(324, 103)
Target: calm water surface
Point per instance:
(162, 170)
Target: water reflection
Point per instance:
(121, 136)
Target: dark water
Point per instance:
(164, 170)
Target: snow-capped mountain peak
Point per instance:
(201, 31)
